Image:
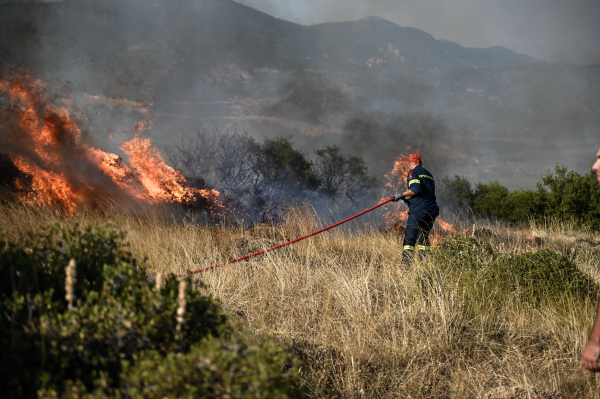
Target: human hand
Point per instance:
(398, 197)
(590, 356)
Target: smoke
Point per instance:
(389, 136)
(369, 86)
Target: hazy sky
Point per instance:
(552, 30)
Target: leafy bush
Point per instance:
(464, 253)
(117, 322)
(240, 368)
(560, 195)
(571, 195)
(540, 275)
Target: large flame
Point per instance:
(58, 168)
(396, 184)
(397, 215)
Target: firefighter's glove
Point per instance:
(398, 197)
(406, 201)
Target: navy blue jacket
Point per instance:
(421, 182)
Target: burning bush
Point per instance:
(81, 317)
(52, 164)
(10, 175)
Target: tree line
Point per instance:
(561, 195)
(262, 178)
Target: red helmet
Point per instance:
(414, 158)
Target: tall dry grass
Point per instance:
(363, 325)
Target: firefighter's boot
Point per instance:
(407, 257)
(424, 251)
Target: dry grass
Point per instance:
(364, 326)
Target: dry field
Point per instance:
(364, 326)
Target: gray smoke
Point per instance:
(369, 86)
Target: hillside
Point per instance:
(370, 85)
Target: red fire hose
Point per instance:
(284, 244)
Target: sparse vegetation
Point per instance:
(492, 309)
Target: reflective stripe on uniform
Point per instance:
(428, 177)
(414, 181)
(424, 247)
(409, 248)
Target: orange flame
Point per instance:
(446, 226)
(44, 142)
(396, 183)
(434, 239)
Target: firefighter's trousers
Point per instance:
(418, 227)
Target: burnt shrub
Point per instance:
(118, 320)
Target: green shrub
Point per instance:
(465, 253)
(540, 276)
(238, 368)
(562, 195)
(241, 367)
(571, 196)
(118, 318)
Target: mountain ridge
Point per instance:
(223, 62)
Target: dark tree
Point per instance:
(343, 175)
(455, 195)
(260, 177)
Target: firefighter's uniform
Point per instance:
(422, 211)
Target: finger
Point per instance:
(590, 365)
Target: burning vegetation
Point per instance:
(50, 162)
(397, 216)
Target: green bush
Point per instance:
(490, 199)
(490, 280)
(463, 253)
(569, 195)
(562, 195)
(239, 368)
(118, 318)
(538, 276)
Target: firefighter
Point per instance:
(422, 208)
